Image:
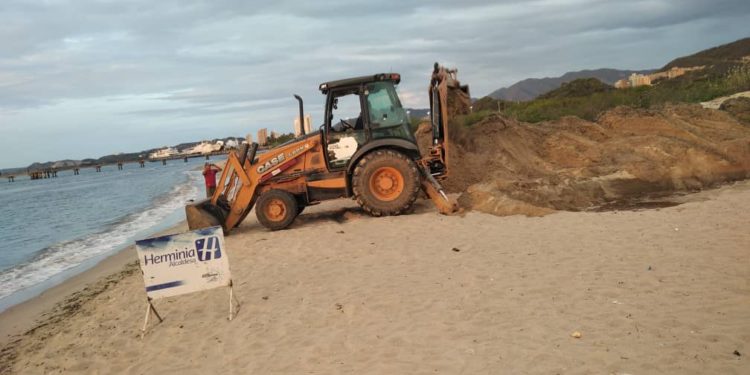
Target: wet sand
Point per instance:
(22, 317)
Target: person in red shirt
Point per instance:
(209, 174)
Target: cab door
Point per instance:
(346, 127)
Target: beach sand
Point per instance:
(650, 291)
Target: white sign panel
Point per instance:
(184, 263)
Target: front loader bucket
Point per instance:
(203, 214)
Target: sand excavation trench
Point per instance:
(504, 167)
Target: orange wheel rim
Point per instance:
(275, 210)
(387, 183)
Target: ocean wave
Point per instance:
(60, 257)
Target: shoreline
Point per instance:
(27, 315)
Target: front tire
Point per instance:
(276, 209)
(385, 182)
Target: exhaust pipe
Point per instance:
(251, 154)
(301, 115)
(242, 154)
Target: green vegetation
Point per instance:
(473, 117)
(578, 88)
(414, 123)
(586, 99)
(489, 104)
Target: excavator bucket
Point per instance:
(204, 214)
(233, 188)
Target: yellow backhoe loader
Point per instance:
(369, 154)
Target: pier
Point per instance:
(186, 157)
(41, 174)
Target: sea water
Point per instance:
(52, 229)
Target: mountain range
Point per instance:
(530, 88)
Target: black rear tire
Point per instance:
(276, 209)
(398, 187)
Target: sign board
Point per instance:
(184, 263)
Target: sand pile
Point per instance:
(505, 167)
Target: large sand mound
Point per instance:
(505, 167)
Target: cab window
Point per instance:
(387, 116)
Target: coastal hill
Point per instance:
(717, 60)
(531, 88)
(733, 53)
(577, 88)
(726, 72)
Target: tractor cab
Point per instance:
(360, 111)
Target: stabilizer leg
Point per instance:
(434, 190)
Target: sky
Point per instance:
(85, 78)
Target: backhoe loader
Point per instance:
(369, 154)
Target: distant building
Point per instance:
(674, 72)
(274, 135)
(204, 148)
(622, 84)
(639, 80)
(636, 79)
(163, 153)
(298, 129)
(263, 137)
(249, 138)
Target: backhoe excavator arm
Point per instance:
(448, 98)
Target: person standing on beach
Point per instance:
(209, 174)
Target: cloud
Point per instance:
(232, 65)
